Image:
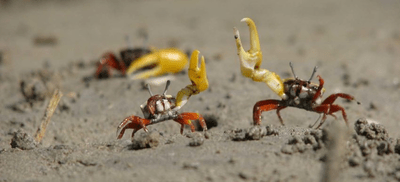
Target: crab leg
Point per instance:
(251, 60)
(198, 77)
(262, 106)
(132, 122)
(186, 119)
(329, 109)
(279, 115)
(333, 97)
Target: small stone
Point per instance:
(370, 131)
(301, 147)
(33, 89)
(397, 175)
(232, 160)
(271, 131)
(244, 175)
(354, 161)
(369, 168)
(287, 149)
(146, 140)
(191, 165)
(207, 135)
(23, 141)
(238, 135)
(196, 140)
(256, 133)
(87, 162)
(22, 107)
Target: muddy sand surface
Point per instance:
(55, 44)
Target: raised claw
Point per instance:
(132, 122)
(251, 60)
(169, 60)
(253, 57)
(198, 75)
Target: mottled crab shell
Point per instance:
(157, 104)
(300, 93)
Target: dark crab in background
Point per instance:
(109, 61)
(153, 62)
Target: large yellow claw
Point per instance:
(169, 60)
(251, 60)
(198, 77)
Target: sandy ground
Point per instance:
(355, 44)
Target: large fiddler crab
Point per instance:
(294, 92)
(158, 62)
(164, 107)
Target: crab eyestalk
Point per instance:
(198, 77)
(166, 87)
(313, 73)
(294, 74)
(148, 89)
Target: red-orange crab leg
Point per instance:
(333, 97)
(186, 118)
(329, 109)
(279, 115)
(132, 122)
(262, 106)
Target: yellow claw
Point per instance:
(169, 60)
(251, 60)
(198, 77)
(253, 57)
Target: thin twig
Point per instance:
(51, 107)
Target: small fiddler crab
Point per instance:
(294, 92)
(164, 107)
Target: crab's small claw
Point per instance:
(198, 75)
(251, 60)
(169, 60)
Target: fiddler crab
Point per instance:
(164, 107)
(294, 92)
(157, 62)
